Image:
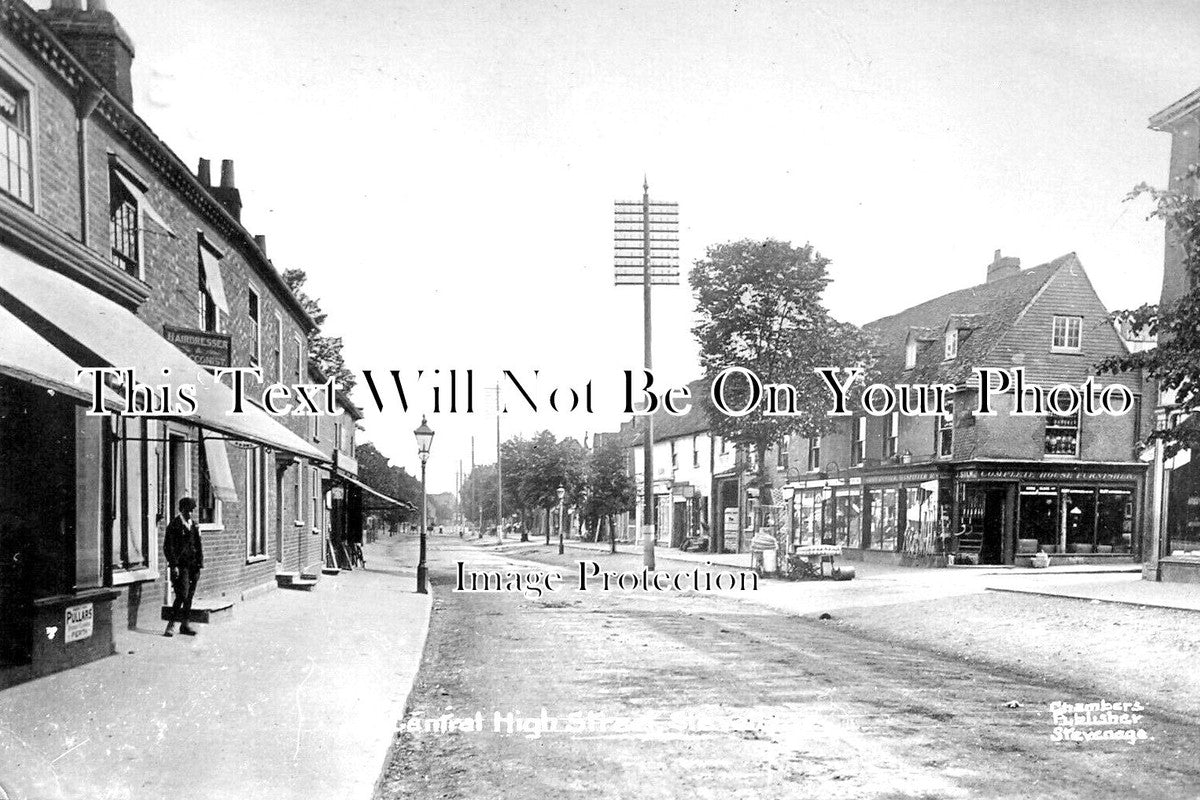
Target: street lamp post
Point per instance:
(424, 435)
(561, 494)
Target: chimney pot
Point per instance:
(69, 5)
(227, 181)
(261, 241)
(97, 5)
(204, 172)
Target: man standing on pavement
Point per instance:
(185, 559)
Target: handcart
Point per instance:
(808, 563)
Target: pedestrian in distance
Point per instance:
(185, 558)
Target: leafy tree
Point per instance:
(324, 351)
(479, 492)
(376, 471)
(611, 489)
(1175, 361)
(759, 307)
(533, 471)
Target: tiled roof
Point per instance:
(983, 312)
(668, 426)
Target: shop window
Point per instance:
(1062, 435)
(944, 432)
(256, 512)
(814, 453)
(16, 148)
(255, 313)
(847, 520)
(858, 447)
(1183, 507)
(1066, 334)
(806, 519)
(1039, 514)
(133, 496)
(1114, 521)
(1079, 509)
(920, 534)
(124, 225)
(891, 434)
(883, 530)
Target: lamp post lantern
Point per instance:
(424, 436)
(561, 494)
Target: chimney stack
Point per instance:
(1003, 267)
(94, 35)
(204, 173)
(261, 241)
(227, 193)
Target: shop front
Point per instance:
(1004, 514)
(84, 496)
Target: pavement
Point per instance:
(878, 585)
(297, 696)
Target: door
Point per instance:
(279, 473)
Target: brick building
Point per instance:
(1174, 546)
(891, 486)
(114, 254)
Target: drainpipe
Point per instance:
(88, 99)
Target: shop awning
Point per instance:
(28, 357)
(103, 334)
(380, 495)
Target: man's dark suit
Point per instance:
(185, 557)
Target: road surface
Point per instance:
(691, 695)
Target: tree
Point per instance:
(324, 351)
(533, 471)
(1175, 362)
(376, 471)
(611, 489)
(759, 307)
(479, 494)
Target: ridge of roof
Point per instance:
(993, 305)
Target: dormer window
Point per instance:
(910, 354)
(951, 344)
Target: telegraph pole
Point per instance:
(499, 490)
(646, 248)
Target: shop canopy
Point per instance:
(391, 500)
(53, 314)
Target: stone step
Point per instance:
(294, 580)
(330, 570)
(205, 611)
(304, 584)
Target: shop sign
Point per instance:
(205, 348)
(78, 624)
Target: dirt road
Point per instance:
(663, 694)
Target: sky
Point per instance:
(445, 170)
